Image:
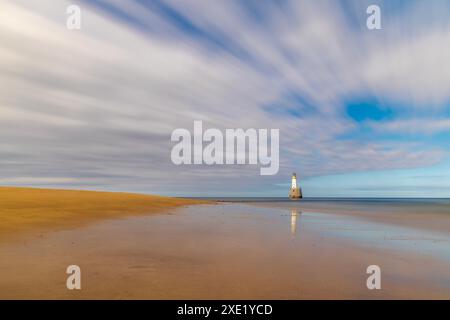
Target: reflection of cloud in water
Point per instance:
(295, 215)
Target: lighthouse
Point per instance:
(295, 192)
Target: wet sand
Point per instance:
(430, 214)
(233, 251)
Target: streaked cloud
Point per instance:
(95, 108)
(422, 126)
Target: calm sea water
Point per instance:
(426, 201)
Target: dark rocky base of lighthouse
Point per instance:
(295, 193)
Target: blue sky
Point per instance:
(361, 112)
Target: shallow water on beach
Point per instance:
(236, 250)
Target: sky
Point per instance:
(361, 113)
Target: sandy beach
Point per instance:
(263, 250)
(25, 210)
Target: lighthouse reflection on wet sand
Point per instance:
(295, 192)
(295, 215)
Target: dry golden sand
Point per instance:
(30, 209)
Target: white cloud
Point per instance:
(30, 181)
(413, 71)
(413, 126)
(98, 105)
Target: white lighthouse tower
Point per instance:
(296, 191)
(294, 181)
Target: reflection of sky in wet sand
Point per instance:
(368, 233)
(231, 251)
